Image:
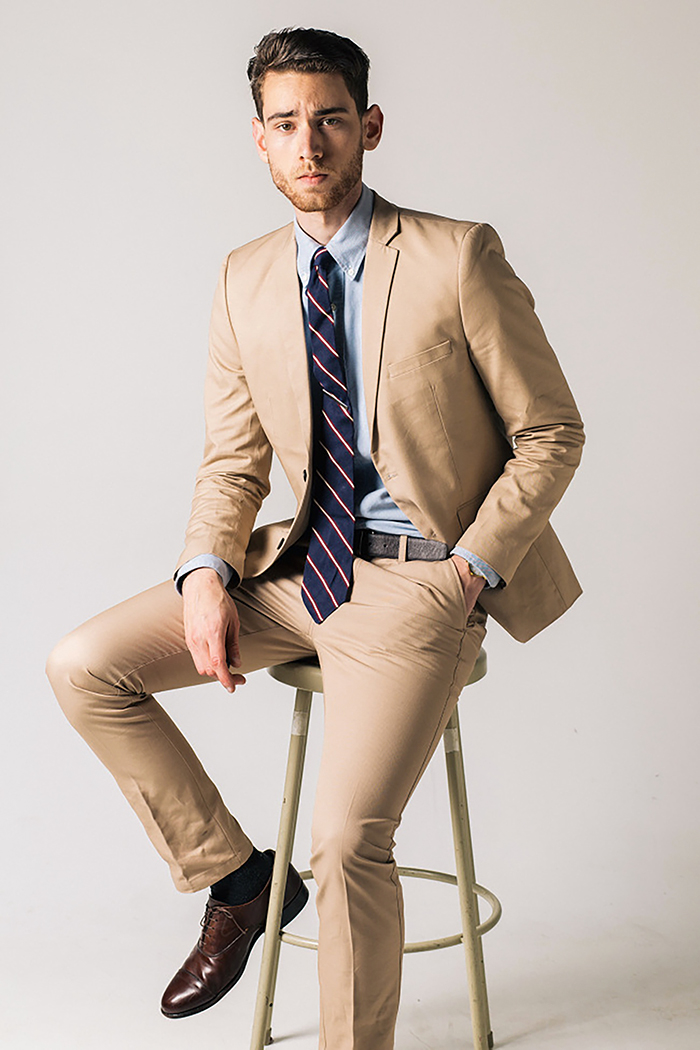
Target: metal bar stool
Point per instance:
(305, 677)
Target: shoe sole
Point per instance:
(289, 912)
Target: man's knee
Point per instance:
(344, 846)
(75, 669)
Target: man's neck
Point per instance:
(323, 225)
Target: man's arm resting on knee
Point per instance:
(211, 626)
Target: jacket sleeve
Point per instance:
(530, 394)
(233, 478)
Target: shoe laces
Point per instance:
(212, 915)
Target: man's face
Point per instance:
(313, 138)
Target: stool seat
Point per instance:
(305, 677)
(306, 674)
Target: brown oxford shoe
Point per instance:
(218, 959)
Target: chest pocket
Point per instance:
(419, 360)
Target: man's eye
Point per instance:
(331, 120)
(284, 127)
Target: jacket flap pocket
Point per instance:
(425, 357)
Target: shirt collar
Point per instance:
(348, 246)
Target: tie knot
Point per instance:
(323, 261)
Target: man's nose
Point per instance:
(310, 145)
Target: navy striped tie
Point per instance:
(328, 568)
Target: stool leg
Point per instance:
(468, 900)
(262, 1023)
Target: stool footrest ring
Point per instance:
(419, 946)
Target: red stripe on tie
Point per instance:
(317, 256)
(305, 589)
(313, 565)
(345, 409)
(337, 464)
(337, 432)
(335, 525)
(324, 341)
(330, 374)
(326, 482)
(331, 555)
(320, 308)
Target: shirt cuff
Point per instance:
(205, 561)
(480, 567)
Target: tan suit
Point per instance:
(457, 371)
(476, 435)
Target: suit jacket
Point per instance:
(474, 430)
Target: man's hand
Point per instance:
(472, 585)
(211, 627)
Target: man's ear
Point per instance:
(259, 136)
(372, 126)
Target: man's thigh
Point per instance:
(394, 663)
(138, 646)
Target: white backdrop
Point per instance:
(128, 173)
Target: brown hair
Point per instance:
(310, 51)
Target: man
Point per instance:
(393, 361)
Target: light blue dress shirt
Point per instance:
(374, 507)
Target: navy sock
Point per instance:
(246, 882)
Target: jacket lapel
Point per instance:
(380, 263)
(285, 323)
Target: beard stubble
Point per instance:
(320, 200)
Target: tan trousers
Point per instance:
(394, 659)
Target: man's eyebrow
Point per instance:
(317, 113)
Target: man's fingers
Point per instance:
(219, 665)
(211, 628)
(234, 655)
(206, 657)
(200, 657)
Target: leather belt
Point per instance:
(371, 544)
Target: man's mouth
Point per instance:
(312, 178)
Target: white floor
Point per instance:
(597, 949)
(95, 983)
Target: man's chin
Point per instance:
(313, 198)
(316, 198)
(308, 201)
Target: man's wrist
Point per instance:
(472, 583)
(203, 576)
(206, 561)
(478, 566)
